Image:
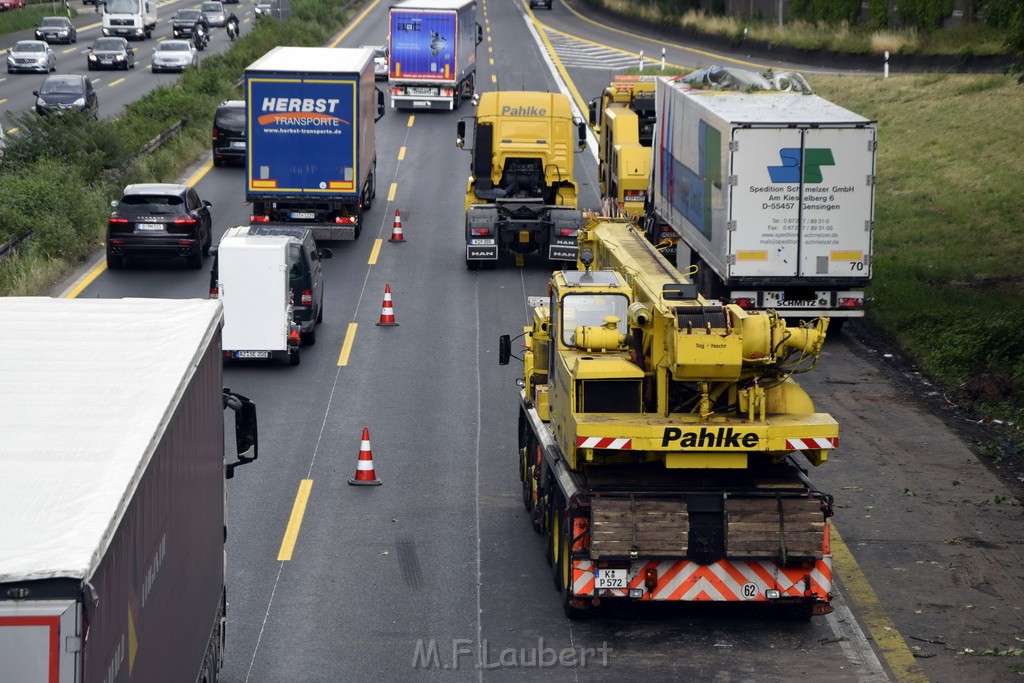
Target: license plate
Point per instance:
(250, 354)
(303, 215)
(422, 91)
(479, 241)
(611, 578)
(241, 145)
(149, 226)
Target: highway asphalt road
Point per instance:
(437, 573)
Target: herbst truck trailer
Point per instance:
(657, 434)
(112, 494)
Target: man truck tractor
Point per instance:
(658, 438)
(521, 197)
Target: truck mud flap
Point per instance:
(481, 253)
(565, 223)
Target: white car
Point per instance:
(31, 55)
(380, 62)
(174, 55)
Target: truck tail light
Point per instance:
(480, 232)
(567, 232)
(447, 92)
(850, 302)
(633, 195)
(651, 578)
(398, 90)
(744, 302)
(307, 297)
(214, 293)
(259, 219)
(345, 220)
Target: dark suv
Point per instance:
(229, 132)
(305, 276)
(159, 219)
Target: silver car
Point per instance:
(174, 55)
(214, 13)
(31, 55)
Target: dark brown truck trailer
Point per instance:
(112, 496)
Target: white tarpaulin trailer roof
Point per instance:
(85, 388)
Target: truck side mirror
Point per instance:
(581, 130)
(593, 111)
(479, 34)
(246, 435)
(380, 105)
(504, 349)
(460, 134)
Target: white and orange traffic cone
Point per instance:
(387, 313)
(396, 230)
(365, 475)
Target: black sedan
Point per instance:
(56, 30)
(111, 53)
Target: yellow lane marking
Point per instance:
(519, 260)
(2, 100)
(113, 83)
(353, 24)
(67, 50)
(488, 39)
(491, 60)
(674, 45)
(346, 346)
(392, 191)
(412, 117)
(194, 180)
(882, 629)
(87, 280)
(291, 533)
(494, 78)
(401, 153)
(490, 49)
(375, 252)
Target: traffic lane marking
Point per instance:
(346, 346)
(113, 83)
(391, 192)
(636, 36)
(375, 251)
(883, 631)
(352, 24)
(291, 533)
(401, 153)
(412, 117)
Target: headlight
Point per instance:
(92, 58)
(80, 102)
(119, 58)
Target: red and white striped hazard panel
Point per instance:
(809, 444)
(602, 442)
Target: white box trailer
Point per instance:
(252, 284)
(112, 495)
(771, 194)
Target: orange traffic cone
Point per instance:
(396, 230)
(365, 476)
(387, 313)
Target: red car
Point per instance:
(11, 4)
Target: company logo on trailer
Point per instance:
(813, 160)
(300, 111)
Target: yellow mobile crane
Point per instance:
(658, 433)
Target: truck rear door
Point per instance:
(802, 202)
(40, 641)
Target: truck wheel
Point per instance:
(294, 358)
(309, 338)
(555, 543)
(524, 478)
(368, 193)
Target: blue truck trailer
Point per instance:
(311, 161)
(433, 53)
